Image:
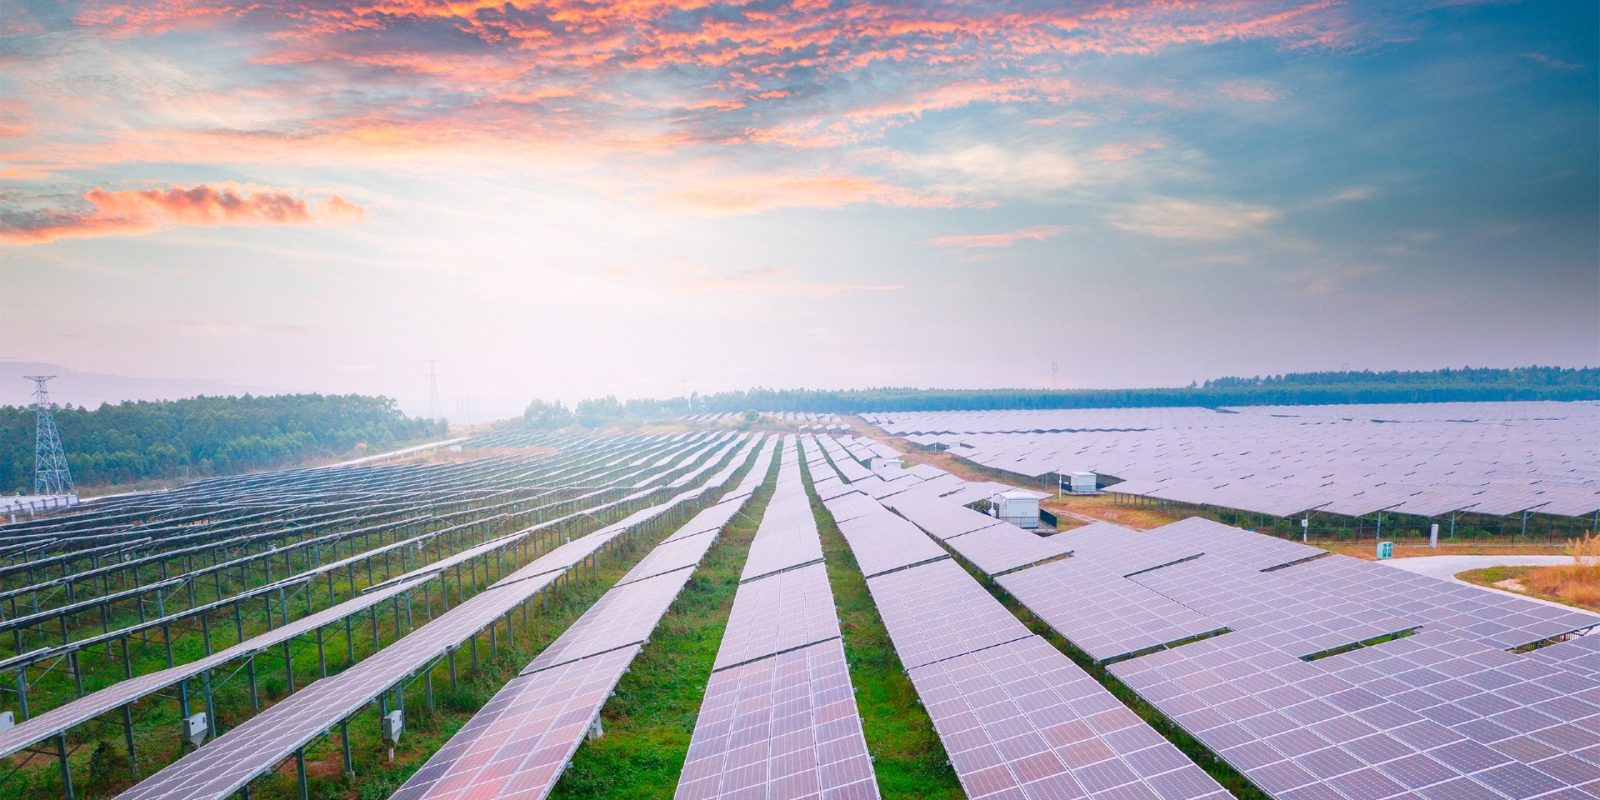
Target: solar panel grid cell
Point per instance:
(1003, 546)
(882, 542)
(623, 616)
(1104, 614)
(780, 727)
(940, 518)
(1123, 551)
(1414, 714)
(937, 611)
(671, 555)
(519, 743)
(1020, 720)
(778, 613)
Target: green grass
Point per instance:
(649, 719)
(906, 752)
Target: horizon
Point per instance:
(559, 201)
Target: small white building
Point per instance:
(883, 467)
(1080, 482)
(1018, 507)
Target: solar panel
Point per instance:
(1123, 551)
(1580, 654)
(671, 555)
(940, 518)
(882, 542)
(777, 613)
(1104, 614)
(937, 611)
(120, 694)
(846, 507)
(1002, 547)
(1253, 550)
(1483, 615)
(1020, 720)
(623, 616)
(780, 727)
(1297, 619)
(519, 743)
(1431, 713)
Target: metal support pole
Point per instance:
(66, 769)
(344, 738)
(300, 770)
(127, 733)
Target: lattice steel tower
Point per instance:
(50, 473)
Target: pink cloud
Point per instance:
(125, 212)
(1037, 233)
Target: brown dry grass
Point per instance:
(1577, 583)
(1366, 549)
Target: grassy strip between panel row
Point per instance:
(650, 717)
(906, 752)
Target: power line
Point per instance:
(50, 473)
(434, 412)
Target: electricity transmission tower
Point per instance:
(434, 411)
(50, 473)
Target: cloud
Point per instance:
(772, 282)
(1199, 220)
(127, 212)
(1037, 233)
(221, 328)
(987, 171)
(757, 192)
(1353, 194)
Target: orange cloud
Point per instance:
(1037, 233)
(124, 212)
(760, 192)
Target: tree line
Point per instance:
(136, 441)
(1467, 384)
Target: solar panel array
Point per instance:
(1003, 547)
(780, 727)
(485, 492)
(230, 761)
(779, 718)
(883, 542)
(779, 613)
(1430, 716)
(520, 742)
(1017, 717)
(1103, 613)
(1426, 459)
(1020, 720)
(787, 535)
(1580, 655)
(937, 611)
(1249, 649)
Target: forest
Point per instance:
(1467, 384)
(133, 442)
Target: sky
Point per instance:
(567, 198)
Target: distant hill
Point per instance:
(133, 442)
(1303, 388)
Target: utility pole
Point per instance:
(50, 473)
(434, 411)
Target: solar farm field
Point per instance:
(785, 614)
(1488, 468)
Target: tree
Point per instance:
(546, 415)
